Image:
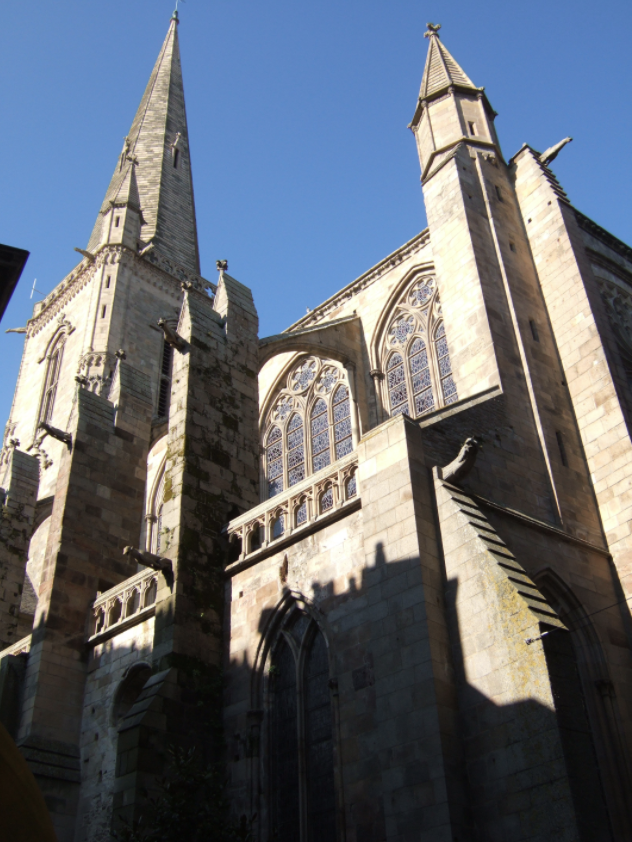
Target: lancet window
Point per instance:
(418, 372)
(309, 425)
(53, 370)
(302, 796)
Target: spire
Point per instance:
(441, 70)
(154, 167)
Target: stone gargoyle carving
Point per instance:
(552, 152)
(60, 435)
(460, 467)
(171, 337)
(156, 562)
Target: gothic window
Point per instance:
(320, 435)
(309, 425)
(418, 373)
(397, 389)
(52, 379)
(295, 450)
(274, 461)
(164, 389)
(302, 796)
(445, 368)
(342, 422)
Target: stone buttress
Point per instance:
(211, 474)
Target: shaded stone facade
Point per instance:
(387, 549)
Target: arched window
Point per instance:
(420, 376)
(53, 369)
(301, 736)
(448, 387)
(415, 349)
(295, 450)
(310, 422)
(320, 435)
(342, 422)
(274, 461)
(397, 389)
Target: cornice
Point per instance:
(153, 268)
(347, 293)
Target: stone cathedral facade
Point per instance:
(400, 531)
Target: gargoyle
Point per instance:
(460, 467)
(553, 151)
(156, 562)
(60, 435)
(171, 337)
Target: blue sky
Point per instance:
(305, 174)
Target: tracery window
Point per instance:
(53, 369)
(418, 372)
(302, 797)
(309, 425)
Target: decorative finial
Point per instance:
(222, 265)
(433, 29)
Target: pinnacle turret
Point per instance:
(154, 167)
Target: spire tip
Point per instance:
(433, 29)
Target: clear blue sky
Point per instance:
(305, 174)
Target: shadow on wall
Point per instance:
(399, 728)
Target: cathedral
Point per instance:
(377, 566)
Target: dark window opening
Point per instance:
(534, 330)
(129, 690)
(164, 388)
(593, 822)
(103, 309)
(499, 193)
(52, 379)
(176, 156)
(117, 221)
(301, 737)
(512, 246)
(284, 769)
(560, 444)
(107, 282)
(472, 128)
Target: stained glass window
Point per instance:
(420, 376)
(352, 487)
(397, 389)
(401, 329)
(301, 514)
(295, 450)
(327, 500)
(274, 461)
(321, 456)
(278, 527)
(421, 292)
(342, 422)
(448, 386)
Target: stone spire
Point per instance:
(155, 165)
(442, 70)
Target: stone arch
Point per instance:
(600, 702)
(128, 690)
